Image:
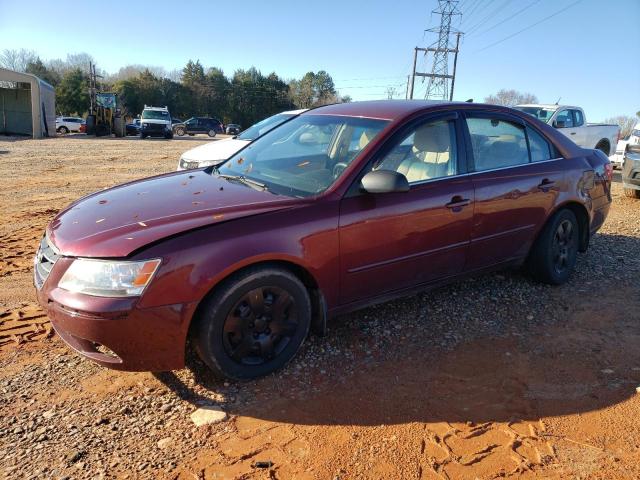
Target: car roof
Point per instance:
(548, 105)
(380, 109)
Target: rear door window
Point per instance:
(540, 149)
(565, 119)
(578, 118)
(497, 143)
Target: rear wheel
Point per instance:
(603, 147)
(211, 133)
(180, 131)
(554, 254)
(254, 324)
(631, 193)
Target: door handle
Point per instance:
(572, 133)
(457, 203)
(546, 185)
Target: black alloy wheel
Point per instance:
(563, 245)
(555, 251)
(253, 323)
(260, 325)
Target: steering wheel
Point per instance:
(338, 168)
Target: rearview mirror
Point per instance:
(384, 181)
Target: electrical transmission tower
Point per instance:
(438, 86)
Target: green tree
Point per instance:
(37, 68)
(72, 95)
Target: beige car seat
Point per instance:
(431, 144)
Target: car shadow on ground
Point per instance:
(585, 356)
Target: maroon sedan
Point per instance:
(341, 207)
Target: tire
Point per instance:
(180, 131)
(631, 193)
(143, 136)
(63, 130)
(211, 133)
(603, 147)
(168, 136)
(240, 333)
(555, 252)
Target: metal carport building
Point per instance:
(27, 105)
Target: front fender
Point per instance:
(195, 262)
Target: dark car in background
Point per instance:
(195, 125)
(133, 128)
(340, 207)
(233, 129)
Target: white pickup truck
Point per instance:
(572, 122)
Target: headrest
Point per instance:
(365, 138)
(433, 137)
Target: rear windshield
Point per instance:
(155, 115)
(264, 126)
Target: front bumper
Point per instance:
(115, 332)
(631, 171)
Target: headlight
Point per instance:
(103, 278)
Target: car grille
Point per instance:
(154, 127)
(46, 258)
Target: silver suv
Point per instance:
(631, 171)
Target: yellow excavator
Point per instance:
(105, 117)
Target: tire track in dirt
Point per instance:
(25, 324)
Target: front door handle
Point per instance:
(457, 203)
(572, 133)
(546, 185)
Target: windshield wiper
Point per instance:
(242, 179)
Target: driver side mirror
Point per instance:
(558, 123)
(384, 181)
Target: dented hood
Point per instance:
(120, 220)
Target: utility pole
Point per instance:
(455, 64)
(438, 86)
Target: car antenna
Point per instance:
(469, 100)
(558, 101)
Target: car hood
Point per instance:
(215, 150)
(117, 221)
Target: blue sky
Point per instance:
(588, 54)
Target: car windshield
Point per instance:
(541, 113)
(264, 126)
(305, 156)
(155, 115)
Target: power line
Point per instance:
(529, 27)
(473, 9)
(484, 20)
(508, 18)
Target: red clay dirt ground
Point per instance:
(493, 377)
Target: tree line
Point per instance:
(245, 98)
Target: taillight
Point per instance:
(608, 171)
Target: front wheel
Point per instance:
(211, 133)
(63, 130)
(254, 324)
(143, 136)
(555, 252)
(180, 131)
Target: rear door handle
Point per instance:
(457, 203)
(546, 184)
